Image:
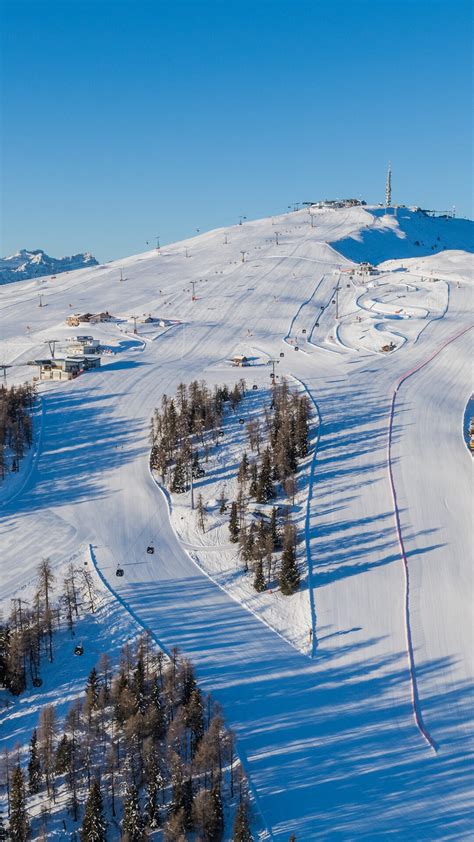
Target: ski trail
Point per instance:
(411, 657)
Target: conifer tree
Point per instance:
(178, 483)
(241, 830)
(201, 514)
(289, 573)
(274, 532)
(243, 468)
(132, 822)
(153, 786)
(234, 523)
(222, 503)
(19, 824)
(265, 489)
(253, 487)
(94, 825)
(63, 756)
(259, 580)
(34, 766)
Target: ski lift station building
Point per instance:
(65, 369)
(82, 345)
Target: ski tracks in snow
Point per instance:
(410, 653)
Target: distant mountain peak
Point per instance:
(34, 263)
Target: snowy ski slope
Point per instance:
(372, 736)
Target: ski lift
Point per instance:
(304, 330)
(221, 432)
(79, 649)
(241, 420)
(37, 681)
(150, 549)
(296, 348)
(282, 354)
(119, 571)
(255, 387)
(334, 301)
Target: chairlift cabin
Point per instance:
(304, 330)
(37, 682)
(79, 649)
(241, 420)
(255, 387)
(150, 549)
(119, 571)
(282, 354)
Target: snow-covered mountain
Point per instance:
(32, 264)
(351, 700)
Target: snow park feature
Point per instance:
(349, 690)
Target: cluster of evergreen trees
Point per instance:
(185, 427)
(16, 428)
(276, 445)
(28, 634)
(142, 750)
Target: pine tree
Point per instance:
(138, 687)
(178, 483)
(3, 832)
(19, 824)
(194, 718)
(243, 468)
(34, 766)
(265, 489)
(92, 691)
(259, 580)
(94, 825)
(132, 822)
(274, 532)
(63, 756)
(234, 523)
(154, 784)
(222, 503)
(241, 830)
(201, 514)
(289, 573)
(253, 487)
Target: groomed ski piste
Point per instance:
(364, 730)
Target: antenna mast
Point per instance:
(388, 187)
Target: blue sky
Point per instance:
(122, 120)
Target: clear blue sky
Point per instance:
(123, 119)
